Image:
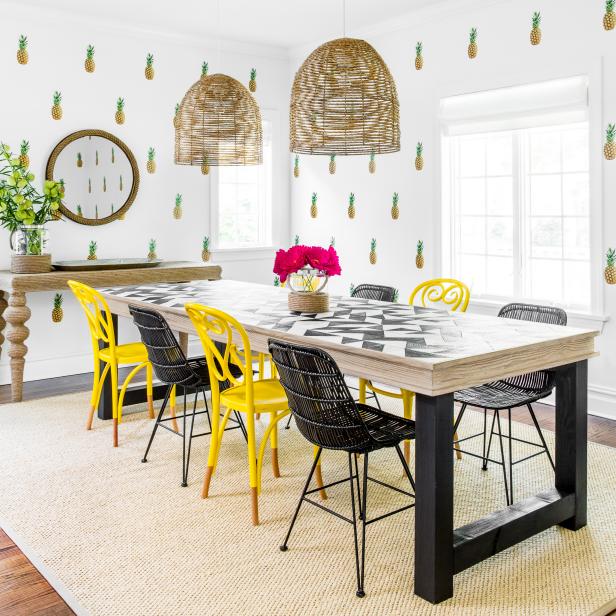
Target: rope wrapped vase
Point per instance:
(344, 101)
(306, 270)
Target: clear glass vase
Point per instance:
(30, 240)
(308, 280)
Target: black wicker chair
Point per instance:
(329, 418)
(173, 368)
(374, 291)
(511, 393)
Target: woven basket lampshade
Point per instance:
(218, 123)
(344, 101)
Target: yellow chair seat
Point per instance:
(133, 352)
(268, 396)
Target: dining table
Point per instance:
(433, 353)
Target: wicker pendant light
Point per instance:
(218, 123)
(344, 101)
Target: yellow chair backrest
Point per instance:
(449, 291)
(213, 326)
(100, 320)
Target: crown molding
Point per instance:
(46, 15)
(440, 11)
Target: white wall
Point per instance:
(574, 42)
(57, 44)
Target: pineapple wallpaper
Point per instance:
(252, 83)
(610, 266)
(372, 163)
(22, 50)
(205, 249)
(313, 206)
(120, 117)
(609, 19)
(151, 164)
(372, 255)
(351, 209)
(24, 159)
(152, 250)
(92, 251)
(419, 257)
(472, 44)
(149, 67)
(177, 210)
(296, 167)
(56, 107)
(535, 33)
(419, 161)
(57, 314)
(89, 63)
(609, 149)
(395, 210)
(419, 61)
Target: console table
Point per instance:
(15, 311)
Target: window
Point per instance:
(518, 212)
(242, 201)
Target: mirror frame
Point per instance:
(93, 132)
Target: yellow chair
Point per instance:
(113, 355)
(244, 395)
(450, 294)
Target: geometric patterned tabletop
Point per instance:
(394, 329)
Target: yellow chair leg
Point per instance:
(96, 396)
(318, 476)
(275, 417)
(211, 457)
(149, 389)
(127, 380)
(93, 402)
(113, 368)
(261, 375)
(362, 390)
(274, 443)
(174, 423)
(252, 467)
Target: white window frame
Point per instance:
(269, 218)
(444, 232)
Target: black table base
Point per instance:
(442, 551)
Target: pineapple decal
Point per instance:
(609, 21)
(395, 210)
(419, 258)
(535, 33)
(79, 160)
(372, 163)
(296, 241)
(89, 185)
(57, 314)
(80, 211)
(121, 184)
(205, 167)
(56, 108)
(205, 249)
(152, 250)
(332, 164)
(24, 159)
(112, 156)
(204, 69)
(610, 268)
(276, 281)
(89, 64)
(96, 158)
(609, 149)
(419, 161)
(120, 117)
(396, 296)
(472, 45)
(332, 242)
(92, 251)
(418, 56)
(351, 289)
(313, 206)
(351, 209)
(372, 255)
(176, 119)
(22, 50)
(252, 84)
(149, 67)
(96, 211)
(296, 167)
(177, 210)
(104, 184)
(151, 164)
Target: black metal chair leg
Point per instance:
(288, 424)
(540, 433)
(456, 424)
(500, 438)
(190, 437)
(360, 591)
(483, 447)
(184, 437)
(484, 466)
(405, 466)
(355, 456)
(510, 458)
(364, 517)
(160, 415)
(207, 408)
(284, 546)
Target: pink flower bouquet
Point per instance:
(308, 262)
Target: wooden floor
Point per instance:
(25, 592)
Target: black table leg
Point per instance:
(571, 437)
(105, 410)
(434, 555)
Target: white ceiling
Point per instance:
(285, 23)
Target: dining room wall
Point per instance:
(574, 42)
(57, 47)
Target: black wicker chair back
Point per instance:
(374, 291)
(319, 398)
(164, 352)
(544, 379)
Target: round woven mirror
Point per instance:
(100, 176)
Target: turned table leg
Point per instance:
(16, 315)
(3, 305)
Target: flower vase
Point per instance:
(29, 245)
(306, 291)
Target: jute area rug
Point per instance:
(119, 537)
